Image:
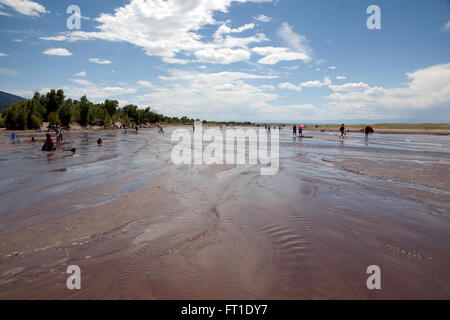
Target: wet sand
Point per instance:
(140, 227)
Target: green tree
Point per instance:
(22, 119)
(35, 121)
(125, 120)
(53, 118)
(65, 112)
(10, 116)
(52, 102)
(60, 98)
(111, 106)
(131, 111)
(84, 110)
(91, 120)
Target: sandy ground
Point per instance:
(140, 227)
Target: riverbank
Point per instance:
(391, 128)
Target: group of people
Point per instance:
(49, 144)
(59, 135)
(300, 130)
(367, 130)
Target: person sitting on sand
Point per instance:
(48, 145)
(33, 140)
(99, 141)
(13, 137)
(342, 129)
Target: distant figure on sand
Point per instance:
(300, 131)
(48, 145)
(342, 129)
(294, 131)
(99, 141)
(368, 130)
(137, 130)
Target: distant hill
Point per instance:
(6, 99)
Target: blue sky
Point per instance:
(256, 60)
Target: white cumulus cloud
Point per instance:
(25, 7)
(146, 84)
(99, 61)
(273, 55)
(289, 86)
(169, 29)
(57, 52)
(263, 18)
(350, 87)
(316, 83)
(296, 42)
(428, 89)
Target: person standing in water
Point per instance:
(60, 136)
(342, 129)
(368, 130)
(294, 131)
(57, 134)
(300, 131)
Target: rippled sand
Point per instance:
(142, 228)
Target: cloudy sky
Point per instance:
(256, 60)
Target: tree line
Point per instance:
(54, 108)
